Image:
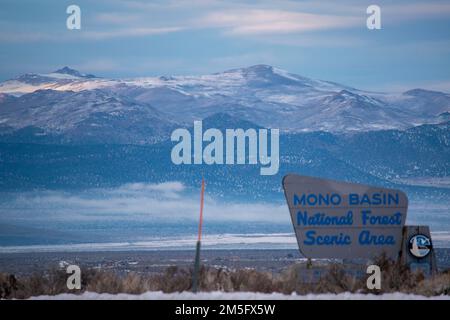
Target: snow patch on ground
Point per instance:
(219, 295)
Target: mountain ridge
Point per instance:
(261, 94)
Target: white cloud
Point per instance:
(173, 4)
(410, 10)
(165, 189)
(317, 40)
(128, 32)
(141, 18)
(31, 36)
(249, 22)
(17, 37)
(117, 17)
(135, 201)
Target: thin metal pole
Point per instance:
(199, 239)
(196, 269)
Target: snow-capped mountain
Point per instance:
(89, 116)
(71, 72)
(76, 106)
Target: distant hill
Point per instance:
(67, 129)
(67, 106)
(385, 158)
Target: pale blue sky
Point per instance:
(319, 39)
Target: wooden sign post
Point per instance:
(417, 250)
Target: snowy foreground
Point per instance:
(219, 295)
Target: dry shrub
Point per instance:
(135, 284)
(215, 279)
(333, 279)
(8, 285)
(395, 277)
(174, 279)
(288, 281)
(337, 281)
(252, 280)
(102, 282)
(434, 286)
(50, 283)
